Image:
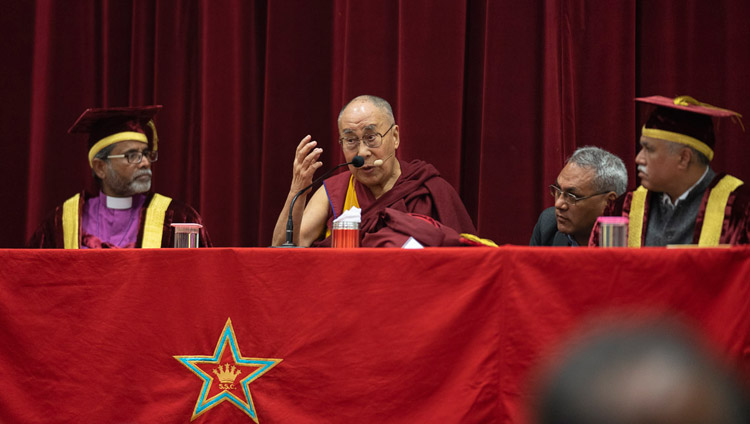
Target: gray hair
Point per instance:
(376, 101)
(102, 155)
(611, 174)
(675, 148)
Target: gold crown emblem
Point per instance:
(227, 374)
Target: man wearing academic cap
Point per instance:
(396, 197)
(681, 199)
(123, 145)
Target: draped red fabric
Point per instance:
(495, 93)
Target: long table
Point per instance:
(328, 335)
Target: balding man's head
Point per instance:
(376, 101)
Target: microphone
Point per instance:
(357, 161)
(380, 162)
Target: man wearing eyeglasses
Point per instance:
(591, 178)
(123, 145)
(368, 129)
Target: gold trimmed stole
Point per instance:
(153, 226)
(635, 225)
(717, 204)
(70, 222)
(713, 218)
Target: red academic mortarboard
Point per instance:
(107, 126)
(684, 120)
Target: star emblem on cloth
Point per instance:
(226, 374)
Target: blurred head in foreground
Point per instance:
(639, 374)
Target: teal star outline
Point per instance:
(227, 337)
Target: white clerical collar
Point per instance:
(119, 202)
(667, 201)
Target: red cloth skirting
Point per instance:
(327, 335)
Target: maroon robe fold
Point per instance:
(49, 235)
(735, 229)
(419, 190)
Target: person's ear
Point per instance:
(608, 198)
(98, 166)
(395, 137)
(686, 155)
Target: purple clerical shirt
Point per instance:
(104, 226)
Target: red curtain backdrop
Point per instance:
(495, 93)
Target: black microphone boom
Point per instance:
(357, 161)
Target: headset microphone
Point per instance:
(380, 162)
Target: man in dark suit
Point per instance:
(591, 178)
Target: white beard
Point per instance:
(122, 187)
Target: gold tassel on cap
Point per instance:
(154, 138)
(691, 101)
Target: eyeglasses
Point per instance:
(137, 157)
(569, 198)
(371, 140)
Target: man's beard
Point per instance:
(123, 187)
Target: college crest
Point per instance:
(226, 374)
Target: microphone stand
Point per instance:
(357, 161)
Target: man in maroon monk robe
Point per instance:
(386, 189)
(682, 200)
(123, 145)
